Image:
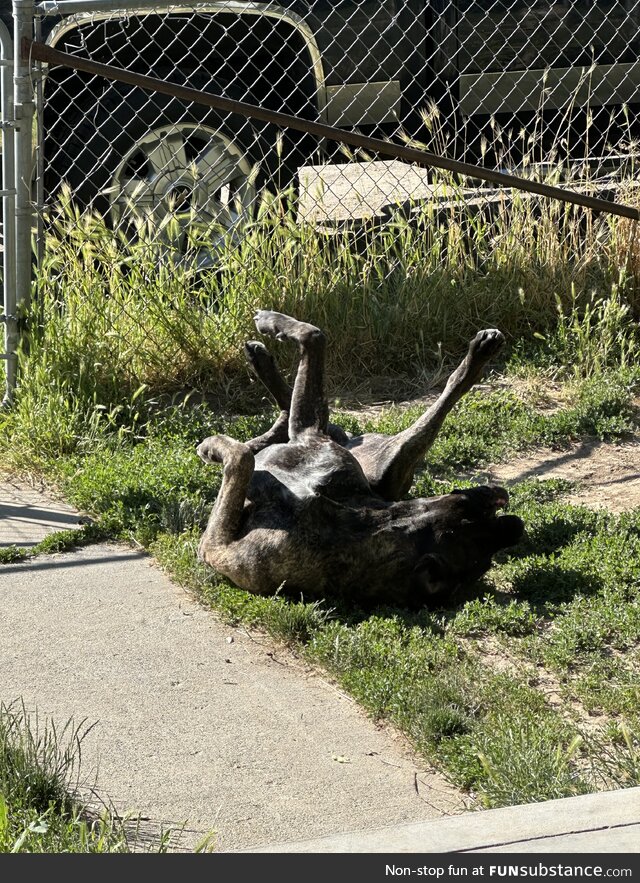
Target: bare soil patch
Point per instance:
(606, 475)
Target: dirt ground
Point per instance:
(606, 475)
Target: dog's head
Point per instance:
(464, 532)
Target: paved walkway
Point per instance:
(604, 822)
(196, 721)
(201, 723)
(28, 515)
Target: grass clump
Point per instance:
(58, 541)
(40, 777)
(488, 615)
(518, 760)
(10, 554)
(594, 330)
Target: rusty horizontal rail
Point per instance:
(41, 52)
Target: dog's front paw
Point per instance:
(485, 344)
(208, 450)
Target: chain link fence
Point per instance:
(515, 85)
(546, 90)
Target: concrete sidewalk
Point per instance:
(202, 723)
(197, 722)
(27, 515)
(604, 822)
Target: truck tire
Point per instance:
(148, 161)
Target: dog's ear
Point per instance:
(506, 531)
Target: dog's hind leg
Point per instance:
(224, 522)
(309, 411)
(389, 462)
(264, 367)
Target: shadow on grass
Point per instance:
(549, 584)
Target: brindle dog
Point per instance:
(309, 508)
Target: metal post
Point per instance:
(23, 109)
(39, 152)
(8, 214)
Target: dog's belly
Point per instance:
(317, 467)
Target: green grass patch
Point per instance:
(40, 810)
(10, 554)
(59, 541)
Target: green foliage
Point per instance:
(58, 541)
(39, 778)
(616, 759)
(115, 317)
(9, 554)
(159, 485)
(113, 333)
(516, 758)
(492, 616)
(593, 333)
(36, 762)
(607, 684)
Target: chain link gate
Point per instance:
(545, 90)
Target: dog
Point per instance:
(308, 509)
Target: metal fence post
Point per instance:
(23, 109)
(8, 214)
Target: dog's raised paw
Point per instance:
(271, 323)
(486, 343)
(207, 450)
(285, 327)
(257, 355)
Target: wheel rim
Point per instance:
(183, 184)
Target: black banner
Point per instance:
(338, 868)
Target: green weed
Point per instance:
(9, 554)
(616, 760)
(41, 783)
(58, 541)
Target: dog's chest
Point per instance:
(317, 468)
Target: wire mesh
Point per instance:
(156, 184)
(540, 87)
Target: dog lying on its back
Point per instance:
(307, 506)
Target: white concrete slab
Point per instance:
(604, 822)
